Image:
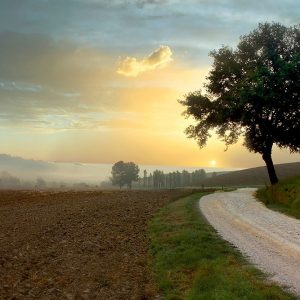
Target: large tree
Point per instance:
(253, 91)
(123, 173)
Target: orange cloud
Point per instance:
(132, 67)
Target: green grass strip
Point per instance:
(283, 197)
(190, 261)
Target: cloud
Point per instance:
(43, 81)
(143, 3)
(58, 64)
(132, 67)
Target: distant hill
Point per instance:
(253, 176)
(17, 164)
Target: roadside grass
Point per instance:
(190, 261)
(283, 197)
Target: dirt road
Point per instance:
(269, 239)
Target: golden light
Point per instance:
(213, 163)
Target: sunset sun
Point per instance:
(213, 163)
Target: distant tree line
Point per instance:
(8, 181)
(127, 174)
(160, 180)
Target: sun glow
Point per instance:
(213, 163)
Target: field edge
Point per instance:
(189, 260)
(284, 197)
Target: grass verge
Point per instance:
(190, 261)
(283, 197)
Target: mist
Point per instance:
(19, 173)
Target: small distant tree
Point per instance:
(186, 178)
(145, 179)
(158, 179)
(124, 174)
(41, 183)
(150, 181)
(198, 176)
(254, 92)
(9, 181)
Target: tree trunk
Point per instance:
(270, 166)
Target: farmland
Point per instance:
(77, 245)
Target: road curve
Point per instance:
(269, 239)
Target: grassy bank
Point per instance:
(190, 261)
(283, 197)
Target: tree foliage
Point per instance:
(124, 173)
(253, 91)
(159, 179)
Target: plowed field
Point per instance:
(77, 245)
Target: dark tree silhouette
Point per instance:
(124, 174)
(186, 178)
(41, 183)
(145, 179)
(253, 91)
(158, 179)
(198, 176)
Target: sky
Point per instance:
(94, 81)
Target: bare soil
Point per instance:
(77, 245)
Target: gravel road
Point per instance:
(269, 239)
